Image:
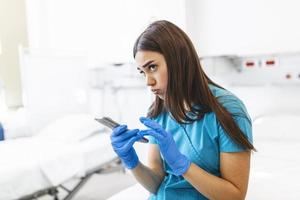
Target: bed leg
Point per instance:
(54, 193)
(81, 183)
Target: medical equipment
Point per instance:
(72, 148)
(108, 122)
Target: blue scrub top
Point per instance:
(201, 141)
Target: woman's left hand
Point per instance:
(178, 162)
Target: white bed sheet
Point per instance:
(29, 164)
(274, 168)
(275, 171)
(96, 150)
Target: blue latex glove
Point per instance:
(178, 162)
(122, 141)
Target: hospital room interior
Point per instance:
(64, 63)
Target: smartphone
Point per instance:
(108, 122)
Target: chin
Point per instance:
(161, 96)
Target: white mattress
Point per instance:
(96, 150)
(275, 171)
(274, 168)
(28, 164)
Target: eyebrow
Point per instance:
(146, 64)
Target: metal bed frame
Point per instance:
(111, 166)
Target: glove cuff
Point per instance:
(183, 165)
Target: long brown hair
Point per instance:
(192, 85)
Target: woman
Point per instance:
(200, 134)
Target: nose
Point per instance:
(150, 81)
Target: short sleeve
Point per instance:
(226, 144)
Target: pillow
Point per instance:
(13, 131)
(15, 124)
(71, 128)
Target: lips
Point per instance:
(155, 91)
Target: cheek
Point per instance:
(165, 79)
(164, 82)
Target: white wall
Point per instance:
(54, 84)
(244, 27)
(13, 32)
(106, 29)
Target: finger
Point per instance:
(119, 130)
(130, 142)
(125, 135)
(151, 124)
(153, 133)
(122, 144)
(117, 145)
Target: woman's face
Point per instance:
(153, 66)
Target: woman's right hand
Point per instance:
(122, 141)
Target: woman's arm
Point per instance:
(234, 168)
(150, 177)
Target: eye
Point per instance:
(141, 72)
(152, 67)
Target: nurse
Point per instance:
(200, 133)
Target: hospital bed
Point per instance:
(72, 148)
(274, 167)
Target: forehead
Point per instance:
(144, 56)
